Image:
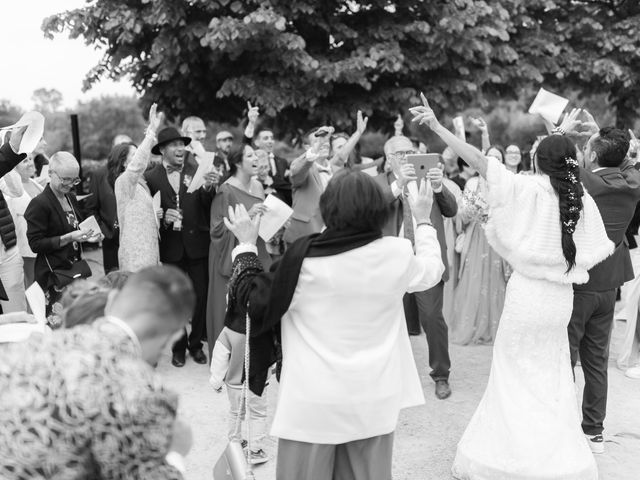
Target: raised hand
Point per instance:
(155, 119)
(361, 123)
(241, 225)
(570, 122)
(422, 203)
(253, 113)
(423, 114)
(435, 175)
(479, 123)
(16, 138)
(590, 126)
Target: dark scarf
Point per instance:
(272, 292)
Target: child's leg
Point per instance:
(258, 414)
(236, 408)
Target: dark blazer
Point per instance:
(8, 161)
(445, 205)
(46, 223)
(102, 204)
(193, 240)
(616, 192)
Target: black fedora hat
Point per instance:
(168, 135)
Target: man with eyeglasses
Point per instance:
(422, 307)
(53, 220)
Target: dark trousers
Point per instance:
(425, 308)
(589, 334)
(198, 272)
(110, 254)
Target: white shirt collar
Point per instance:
(127, 329)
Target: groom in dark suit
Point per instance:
(615, 186)
(184, 233)
(421, 307)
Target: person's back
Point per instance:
(76, 408)
(358, 346)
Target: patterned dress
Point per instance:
(479, 295)
(139, 246)
(82, 404)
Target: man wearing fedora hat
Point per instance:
(184, 233)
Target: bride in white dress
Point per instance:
(549, 229)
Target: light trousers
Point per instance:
(12, 277)
(257, 416)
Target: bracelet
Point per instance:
(428, 223)
(558, 131)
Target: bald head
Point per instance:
(194, 128)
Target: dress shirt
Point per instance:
(272, 162)
(174, 178)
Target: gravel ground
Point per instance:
(426, 438)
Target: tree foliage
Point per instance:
(46, 100)
(306, 62)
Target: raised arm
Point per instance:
(140, 161)
(470, 154)
(9, 156)
(484, 131)
(249, 131)
(342, 156)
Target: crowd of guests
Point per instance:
(185, 265)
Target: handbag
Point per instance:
(234, 463)
(63, 277)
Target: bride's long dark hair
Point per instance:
(556, 157)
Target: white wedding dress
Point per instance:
(527, 426)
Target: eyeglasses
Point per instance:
(67, 180)
(401, 155)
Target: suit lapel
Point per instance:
(53, 201)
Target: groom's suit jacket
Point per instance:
(616, 192)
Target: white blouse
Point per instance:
(524, 227)
(348, 367)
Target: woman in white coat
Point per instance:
(335, 301)
(549, 229)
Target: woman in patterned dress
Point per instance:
(136, 216)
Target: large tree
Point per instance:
(306, 62)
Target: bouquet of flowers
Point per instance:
(474, 207)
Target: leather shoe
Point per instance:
(199, 357)
(178, 359)
(443, 390)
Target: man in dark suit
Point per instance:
(101, 203)
(423, 307)
(263, 139)
(615, 187)
(224, 142)
(184, 233)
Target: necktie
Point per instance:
(272, 161)
(407, 219)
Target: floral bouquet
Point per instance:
(474, 207)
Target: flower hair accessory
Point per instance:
(571, 162)
(572, 178)
(569, 226)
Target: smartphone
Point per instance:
(423, 162)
